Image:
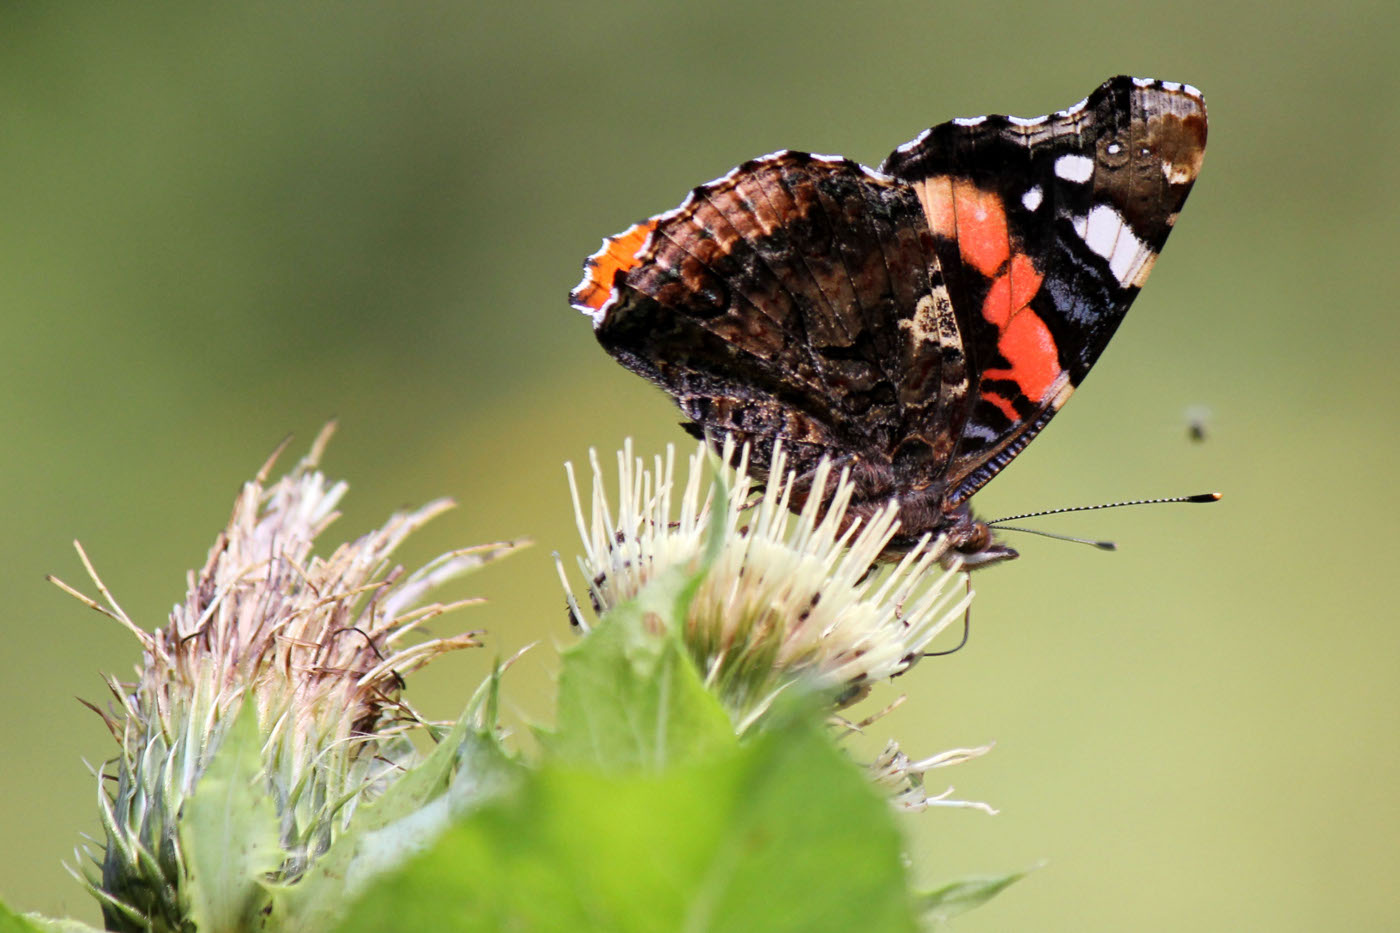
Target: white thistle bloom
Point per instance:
(315, 644)
(787, 597)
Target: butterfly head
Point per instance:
(971, 541)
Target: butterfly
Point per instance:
(917, 324)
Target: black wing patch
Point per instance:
(1047, 229)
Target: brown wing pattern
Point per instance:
(790, 299)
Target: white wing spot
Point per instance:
(1075, 168)
(1101, 229)
(1107, 234)
(1026, 121)
(1171, 85)
(970, 121)
(1032, 198)
(1144, 82)
(1115, 148)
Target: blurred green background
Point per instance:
(220, 223)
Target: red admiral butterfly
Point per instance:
(918, 323)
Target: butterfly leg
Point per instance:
(967, 629)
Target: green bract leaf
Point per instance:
(781, 835)
(11, 922)
(467, 767)
(228, 829)
(956, 897)
(33, 923)
(629, 695)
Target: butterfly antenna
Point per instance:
(1201, 497)
(1101, 545)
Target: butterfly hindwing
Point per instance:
(774, 302)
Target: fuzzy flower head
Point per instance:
(315, 644)
(786, 597)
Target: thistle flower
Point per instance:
(785, 597)
(313, 646)
(904, 778)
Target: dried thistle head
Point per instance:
(785, 597)
(317, 646)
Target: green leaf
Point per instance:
(467, 766)
(943, 903)
(33, 923)
(228, 830)
(11, 922)
(784, 834)
(629, 695)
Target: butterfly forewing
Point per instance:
(1057, 221)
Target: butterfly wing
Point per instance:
(1045, 230)
(793, 298)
